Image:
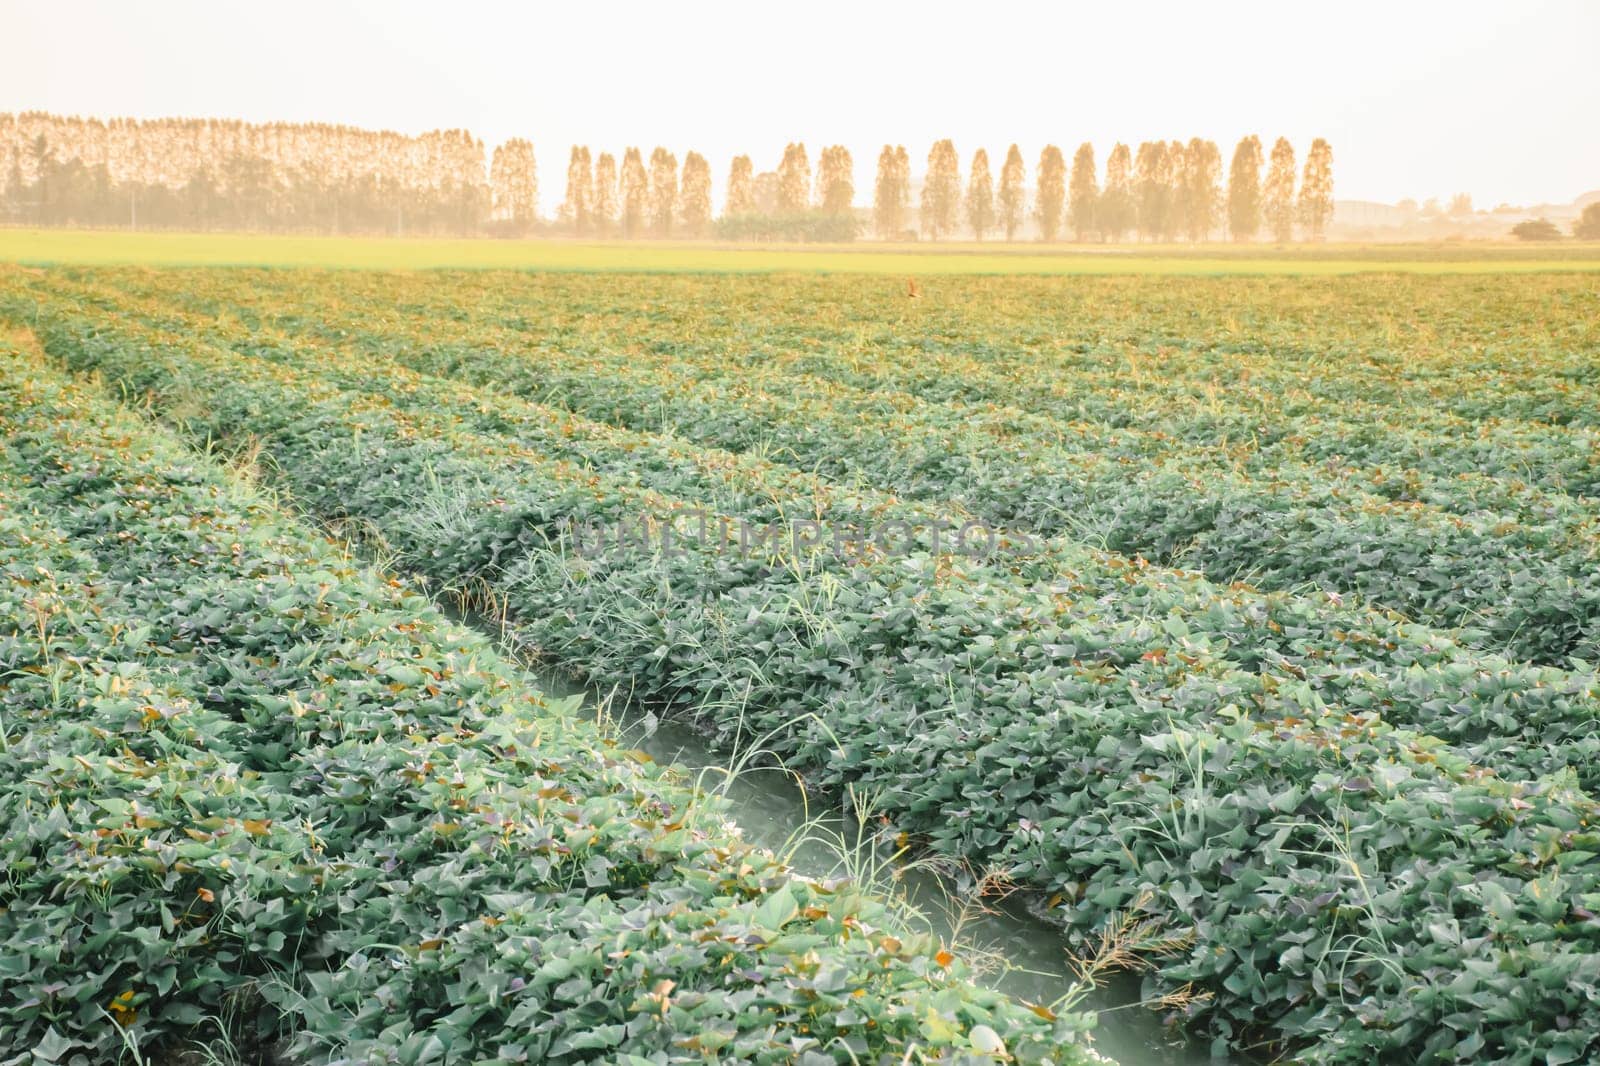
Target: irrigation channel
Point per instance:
(1022, 955)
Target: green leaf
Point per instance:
(776, 910)
(52, 1046)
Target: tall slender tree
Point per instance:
(1244, 190)
(635, 193)
(1052, 191)
(1316, 191)
(1183, 165)
(836, 183)
(941, 190)
(741, 188)
(980, 195)
(605, 193)
(575, 210)
(1201, 188)
(1085, 190)
(794, 180)
(892, 193)
(1013, 192)
(663, 191)
(694, 196)
(514, 181)
(1150, 189)
(1277, 194)
(1117, 211)
(1177, 217)
(765, 190)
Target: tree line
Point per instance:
(218, 174)
(1168, 190)
(224, 174)
(789, 203)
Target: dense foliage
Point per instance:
(258, 794)
(208, 174)
(1360, 782)
(806, 226)
(1587, 227)
(225, 174)
(1425, 471)
(1536, 229)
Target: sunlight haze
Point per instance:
(816, 534)
(1418, 100)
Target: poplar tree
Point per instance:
(892, 193)
(1116, 202)
(836, 183)
(1084, 203)
(1013, 192)
(663, 190)
(941, 190)
(825, 165)
(575, 210)
(1201, 188)
(635, 192)
(1150, 189)
(794, 180)
(694, 197)
(1176, 220)
(741, 188)
(980, 195)
(1052, 191)
(604, 192)
(514, 183)
(765, 190)
(1316, 191)
(902, 173)
(1244, 190)
(1277, 194)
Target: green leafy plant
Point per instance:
(1353, 796)
(283, 791)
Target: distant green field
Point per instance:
(209, 249)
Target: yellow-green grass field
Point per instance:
(88, 247)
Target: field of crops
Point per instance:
(256, 792)
(1265, 609)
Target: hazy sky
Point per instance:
(1418, 99)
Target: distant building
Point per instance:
(1368, 213)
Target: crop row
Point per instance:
(1350, 656)
(1384, 450)
(1514, 564)
(1313, 850)
(1523, 580)
(1293, 396)
(1452, 352)
(248, 780)
(1385, 463)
